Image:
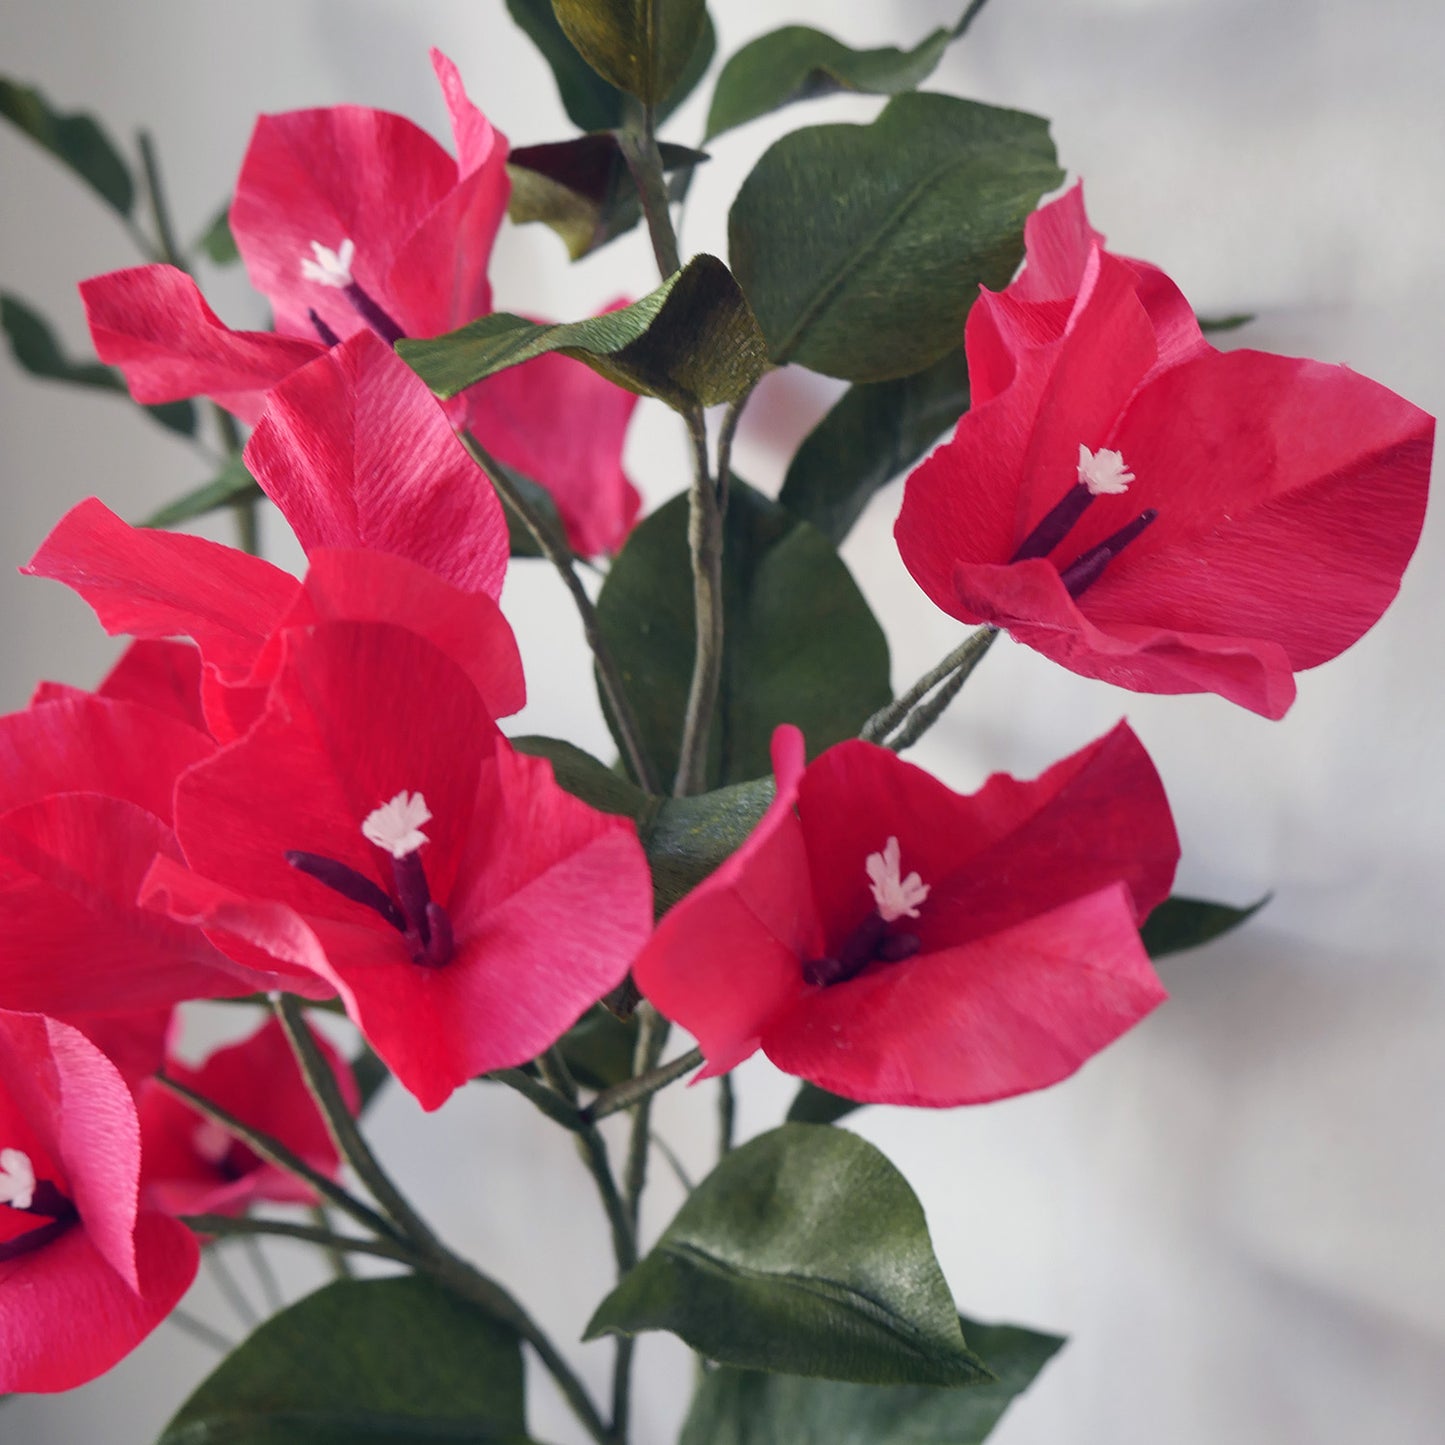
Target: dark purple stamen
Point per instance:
(1055, 524)
(327, 335)
(1088, 567)
(410, 879)
(49, 1203)
(349, 884)
(372, 314)
(869, 942)
(441, 943)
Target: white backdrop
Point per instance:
(1236, 1212)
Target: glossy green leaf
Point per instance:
(1179, 923)
(641, 46)
(73, 138)
(747, 1407)
(217, 241)
(812, 1105)
(804, 1252)
(691, 342)
(591, 102)
(232, 484)
(583, 188)
(861, 247)
(36, 348)
(800, 63)
(384, 1361)
(800, 643)
(874, 433)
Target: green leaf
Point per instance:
(1180, 923)
(875, 432)
(801, 644)
(692, 342)
(217, 241)
(641, 46)
(684, 838)
(1231, 322)
(36, 348)
(799, 63)
(385, 1361)
(232, 484)
(599, 1048)
(747, 1407)
(804, 1252)
(861, 247)
(812, 1105)
(690, 837)
(590, 101)
(75, 139)
(583, 188)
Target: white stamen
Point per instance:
(896, 897)
(211, 1141)
(17, 1179)
(330, 268)
(396, 826)
(1103, 472)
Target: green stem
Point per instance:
(160, 212)
(727, 1113)
(230, 1289)
(198, 1329)
(644, 160)
(968, 17)
(321, 1083)
(336, 1258)
(965, 657)
(608, 674)
(626, 1094)
(548, 1100)
(705, 544)
(221, 1225)
(265, 1275)
(924, 717)
(274, 1152)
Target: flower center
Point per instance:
(1101, 474)
(396, 828)
(227, 1155)
(873, 941)
(22, 1192)
(333, 268)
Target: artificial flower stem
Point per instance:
(549, 1101)
(726, 1115)
(965, 657)
(922, 718)
(336, 1258)
(644, 160)
(231, 1291)
(265, 1275)
(198, 1329)
(155, 193)
(342, 1127)
(967, 18)
(274, 1152)
(626, 1094)
(561, 558)
(220, 1225)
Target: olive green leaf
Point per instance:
(75, 139)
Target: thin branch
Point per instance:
(673, 1162)
(230, 1289)
(967, 18)
(548, 1100)
(198, 1329)
(966, 656)
(652, 1032)
(342, 1127)
(336, 1258)
(609, 676)
(626, 1094)
(227, 1224)
(644, 160)
(727, 1114)
(261, 1267)
(275, 1152)
(160, 211)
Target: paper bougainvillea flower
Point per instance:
(1146, 510)
(191, 1165)
(896, 942)
(85, 1274)
(355, 222)
(374, 827)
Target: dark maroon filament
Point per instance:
(374, 316)
(1087, 568)
(327, 335)
(421, 921)
(47, 1202)
(870, 942)
(1055, 524)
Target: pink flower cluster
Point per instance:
(301, 784)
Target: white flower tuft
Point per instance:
(396, 826)
(330, 268)
(17, 1179)
(1103, 472)
(896, 897)
(211, 1141)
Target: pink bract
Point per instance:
(1277, 500)
(1025, 953)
